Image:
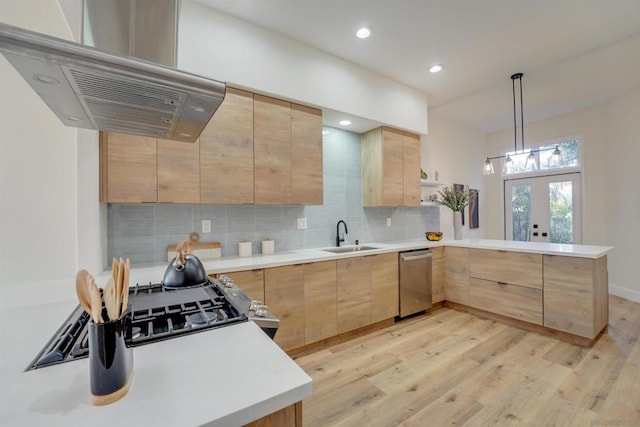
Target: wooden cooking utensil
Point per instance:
(125, 286)
(109, 296)
(96, 299)
(82, 291)
(118, 288)
(114, 269)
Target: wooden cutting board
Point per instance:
(203, 250)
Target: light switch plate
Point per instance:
(206, 226)
(388, 222)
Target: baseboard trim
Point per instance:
(626, 293)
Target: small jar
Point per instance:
(268, 246)
(244, 248)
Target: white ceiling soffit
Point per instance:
(574, 53)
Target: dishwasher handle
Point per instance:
(409, 257)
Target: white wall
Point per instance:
(457, 153)
(222, 47)
(621, 197)
(47, 203)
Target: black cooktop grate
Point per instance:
(156, 313)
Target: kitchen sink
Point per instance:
(348, 249)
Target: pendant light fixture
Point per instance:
(531, 163)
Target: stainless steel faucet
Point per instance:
(338, 239)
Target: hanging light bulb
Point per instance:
(508, 166)
(488, 167)
(556, 157)
(531, 164)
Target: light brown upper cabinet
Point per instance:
(287, 152)
(128, 168)
(226, 152)
(411, 169)
(255, 149)
(390, 168)
(178, 172)
(306, 155)
(272, 150)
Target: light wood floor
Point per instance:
(453, 368)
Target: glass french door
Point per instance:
(544, 209)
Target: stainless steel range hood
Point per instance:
(95, 89)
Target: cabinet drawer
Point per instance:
(519, 302)
(517, 268)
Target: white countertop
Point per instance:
(154, 273)
(222, 377)
(236, 263)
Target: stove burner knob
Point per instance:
(254, 305)
(261, 310)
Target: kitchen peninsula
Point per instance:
(233, 375)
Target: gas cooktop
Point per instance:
(155, 313)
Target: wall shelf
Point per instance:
(431, 183)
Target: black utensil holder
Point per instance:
(110, 362)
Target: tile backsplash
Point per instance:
(142, 232)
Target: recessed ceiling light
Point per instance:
(363, 33)
(436, 68)
(345, 122)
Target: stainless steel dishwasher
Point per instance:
(415, 281)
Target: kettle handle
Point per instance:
(179, 261)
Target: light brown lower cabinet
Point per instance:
(457, 274)
(384, 287)
(437, 274)
(517, 268)
(519, 302)
(354, 293)
(284, 294)
(291, 416)
(320, 301)
(251, 282)
(576, 298)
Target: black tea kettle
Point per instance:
(185, 270)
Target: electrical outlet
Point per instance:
(302, 223)
(206, 226)
(388, 222)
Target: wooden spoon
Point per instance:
(82, 291)
(109, 296)
(125, 286)
(118, 287)
(96, 299)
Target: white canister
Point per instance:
(244, 248)
(268, 246)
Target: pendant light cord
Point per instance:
(515, 129)
(521, 116)
(515, 124)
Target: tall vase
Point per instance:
(457, 225)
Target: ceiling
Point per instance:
(574, 54)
